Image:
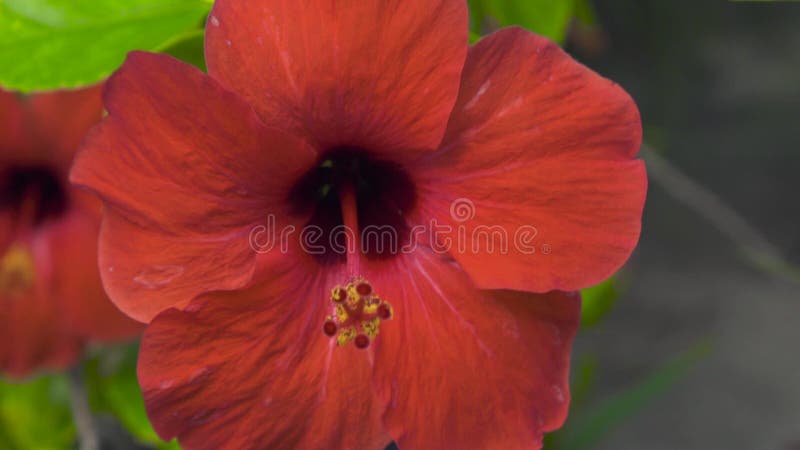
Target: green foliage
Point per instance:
(49, 44)
(36, 415)
(587, 427)
(546, 17)
(584, 12)
(113, 388)
(597, 301)
(190, 49)
(583, 379)
(474, 37)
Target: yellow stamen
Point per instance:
(346, 335)
(340, 313)
(357, 314)
(371, 327)
(17, 270)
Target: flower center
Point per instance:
(17, 270)
(384, 195)
(357, 312)
(33, 194)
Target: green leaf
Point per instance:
(583, 380)
(585, 430)
(189, 48)
(36, 414)
(546, 17)
(113, 388)
(584, 11)
(597, 301)
(476, 15)
(50, 44)
(474, 37)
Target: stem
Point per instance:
(81, 413)
(756, 248)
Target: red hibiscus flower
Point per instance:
(51, 298)
(327, 119)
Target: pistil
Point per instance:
(347, 198)
(357, 310)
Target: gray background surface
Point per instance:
(718, 84)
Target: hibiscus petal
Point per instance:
(76, 281)
(61, 119)
(465, 368)
(46, 127)
(542, 147)
(252, 369)
(186, 170)
(376, 74)
(34, 337)
(13, 140)
(7, 229)
(33, 332)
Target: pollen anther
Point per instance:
(338, 294)
(356, 315)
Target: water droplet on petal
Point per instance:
(559, 393)
(158, 276)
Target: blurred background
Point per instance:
(693, 345)
(718, 85)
